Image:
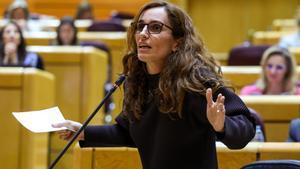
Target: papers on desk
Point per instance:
(40, 121)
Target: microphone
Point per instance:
(84, 125)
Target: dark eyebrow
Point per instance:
(142, 21)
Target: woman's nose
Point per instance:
(145, 30)
(12, 34)
(273, 70)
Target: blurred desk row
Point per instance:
(75, 81)
(52, 24)
(125, 158)
(23, 89)
(223, 58)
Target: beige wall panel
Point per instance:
(224, 24)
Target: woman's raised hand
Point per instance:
(215, 111)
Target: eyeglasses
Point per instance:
(278, 67)
(152, 27)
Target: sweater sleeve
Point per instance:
(239, 124)
(108, 135)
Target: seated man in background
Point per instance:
(278, 76)
(13, 48)
(292, 40)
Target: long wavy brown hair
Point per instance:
(190, 69)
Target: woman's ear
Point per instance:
(177, 44)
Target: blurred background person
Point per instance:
(18, 11)
(292, 40)
(278, 74)
(294, 131)
(66, 32)
(13, 48)
(85, 11)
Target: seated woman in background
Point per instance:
(13, 48)
(278, 75)
(66, 32)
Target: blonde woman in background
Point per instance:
(278, 76)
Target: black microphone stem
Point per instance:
(84, 125)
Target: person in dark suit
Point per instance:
(294, 131)
(176, 104)
(13, 48)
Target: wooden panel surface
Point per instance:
(276, 150)
(34, 90)
(80, 75)
(277, 111)
(123, 157)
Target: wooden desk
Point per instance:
(23, 89)
(80, 75)
(240, 76)
(123, 157)
(269, 37)
(52, 24)
(284, 24)
(279, 150)
(277, 112)
(235, 159)
(222, 58)
(116, 41)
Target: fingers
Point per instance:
(65, 134)
(209, 97)
(65, 123)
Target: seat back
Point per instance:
(258, 121)
(273, 164)
(246, 55)
(107, 26)
(121, 15)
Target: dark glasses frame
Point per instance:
(139, 27)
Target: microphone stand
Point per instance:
(84, 125)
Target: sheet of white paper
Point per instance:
(40, 121)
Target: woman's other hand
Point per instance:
(72, 127)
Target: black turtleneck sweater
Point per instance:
(168, 143)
